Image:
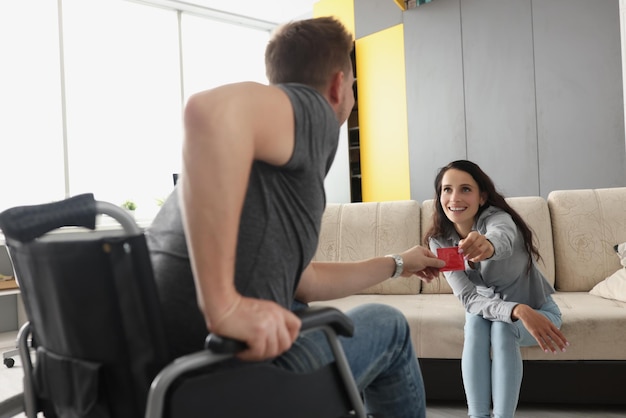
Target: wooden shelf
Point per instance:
(8, 285)
(354, 142)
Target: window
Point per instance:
(31, 131)
(220, 53)
(123, 101)
(101, 111)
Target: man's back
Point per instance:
(278, 230)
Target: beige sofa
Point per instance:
(576, 232)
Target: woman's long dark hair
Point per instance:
(442, 226)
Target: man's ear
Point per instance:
(335, 88)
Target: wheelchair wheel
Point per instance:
(9, 362)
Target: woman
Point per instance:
(507, 300)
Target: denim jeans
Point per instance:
(492, 362)
(381, 358)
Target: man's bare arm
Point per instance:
(226, 129)
(332, 280)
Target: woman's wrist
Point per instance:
(518, 311)
(493, 249)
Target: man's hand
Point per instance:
(267, 328)
(475, 247)
(421, 262)
(541, 328)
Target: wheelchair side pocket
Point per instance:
(71, 384)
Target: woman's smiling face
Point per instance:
(460, 198)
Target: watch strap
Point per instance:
(399, 265)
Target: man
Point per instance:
(245, 220)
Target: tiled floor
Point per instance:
(454, 410)
(11, 384)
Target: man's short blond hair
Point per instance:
(308, 51)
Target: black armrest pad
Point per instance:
(25, 223)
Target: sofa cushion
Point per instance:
(436, 321)
(620, 249)
(357, 231)
(593, 326)
(586, 224)
(614, 286)
(534, 211)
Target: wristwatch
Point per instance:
(399, 265)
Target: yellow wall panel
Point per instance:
(341, 9)
(381, 84)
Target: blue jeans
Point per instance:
(381, 358)
(492, 362)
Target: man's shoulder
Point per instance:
(297, 87)
(301, 92)
(307, 100)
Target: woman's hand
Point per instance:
(475, 247)
(541, 328)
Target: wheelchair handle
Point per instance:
(313, 317)
(25, 223)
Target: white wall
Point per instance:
(337, 182)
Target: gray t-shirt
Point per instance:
(278, 232)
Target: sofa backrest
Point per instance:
(357, 231)
(586, 224)
(575, 231)
(534, 211)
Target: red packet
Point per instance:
(454, 260)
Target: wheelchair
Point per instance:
(94, 347)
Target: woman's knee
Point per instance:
(504, 336)
(476, 335)
(551, 311)
(477, 325)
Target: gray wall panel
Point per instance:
(371, 16)
(434, 81)
(500, 92)
(579, 94)
(531, 90)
